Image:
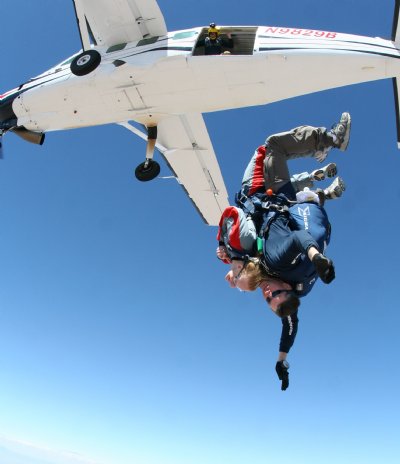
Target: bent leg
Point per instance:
(302, 180)
(253, 177)
(300, 142)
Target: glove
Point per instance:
(320, 155)
(324, 267)
(283, 374)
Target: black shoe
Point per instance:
(324, 268)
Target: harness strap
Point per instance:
(273, 211)
(269, 205)
(269, 271)
(261, 202)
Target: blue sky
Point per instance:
(120, 341)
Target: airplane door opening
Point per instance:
(243, 40)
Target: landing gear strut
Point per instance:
(149, 169)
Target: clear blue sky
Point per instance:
(120, 342)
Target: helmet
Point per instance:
(213, 29)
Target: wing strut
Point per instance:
(142, 135)
(82, 25)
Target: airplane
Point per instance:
(133, 72)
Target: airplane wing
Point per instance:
(190, 155)
(184, 142)
(112, 22)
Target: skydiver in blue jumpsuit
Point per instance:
(288, 237)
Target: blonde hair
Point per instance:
(254, 275)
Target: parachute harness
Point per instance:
(263, 208)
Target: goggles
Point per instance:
(275, 293)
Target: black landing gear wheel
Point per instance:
(85, 63)
(147, 171)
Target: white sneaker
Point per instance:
(335, 190)
(330, 170)
(341, 132)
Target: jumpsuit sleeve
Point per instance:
(289, 331)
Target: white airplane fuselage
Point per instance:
(146, 82)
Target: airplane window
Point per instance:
(115, 48)
(69, 61)
(184, 35)
(147, 41)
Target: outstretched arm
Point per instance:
(289, 331)
(288, 335)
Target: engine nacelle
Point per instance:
(30, 136)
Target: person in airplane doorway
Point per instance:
(214, 44)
